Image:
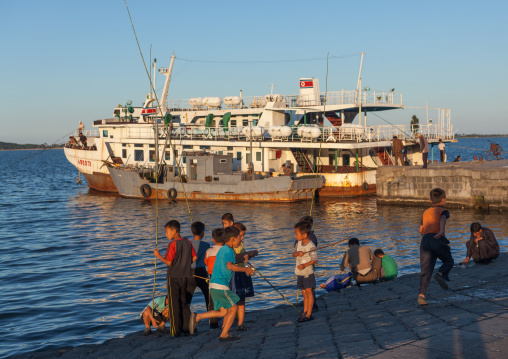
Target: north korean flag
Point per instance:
(306, 84)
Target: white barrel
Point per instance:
(232, 100)
(285, 131)
(212, 101)
(259, 102)
(196, 101)
(274, 131)
(309, 132)
(257, 131)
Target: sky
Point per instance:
(68, 61)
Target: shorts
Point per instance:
(306, 282)
(223, 298)
(241, 284)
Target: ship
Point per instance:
(210, 177)
(312, 132)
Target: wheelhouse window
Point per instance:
(139, 155)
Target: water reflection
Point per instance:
(86, 259)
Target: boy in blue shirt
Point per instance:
(224, 299)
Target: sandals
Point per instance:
(422, 301)
(229, 338)
(441, 281)
(305, 319)
(242, 328)
(162, 329)
(147, 331)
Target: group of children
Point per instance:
(190, 262)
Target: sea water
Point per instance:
(77, 266)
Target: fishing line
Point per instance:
(388, 122)
(44, 149)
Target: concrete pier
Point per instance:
(382, 321)
(467, 184)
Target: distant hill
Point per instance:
(28, 146)
(478, 135)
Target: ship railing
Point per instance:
(345, 133)
(87, 133)
(435, 132)
(343, 97)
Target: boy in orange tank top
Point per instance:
(434, 244)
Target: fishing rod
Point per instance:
(328, 245)
(267, 281)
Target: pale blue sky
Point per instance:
(65, 61)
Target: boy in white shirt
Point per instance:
(306, 257)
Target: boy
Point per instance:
(158, 319)
(227, 220)
(314, 240)
(434, 244)
(389, 268)
(241, 284)
(179, 256)
(366, 267)
(211, 254)
(198, 269)
(224, 300)
(306, 257)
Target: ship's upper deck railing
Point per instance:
(331, 98)
(351, 133)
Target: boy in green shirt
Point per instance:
(389, 268)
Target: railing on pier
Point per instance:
(345, 133)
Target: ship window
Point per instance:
(345, 160)
(245, 122)
(185, 160)
(124, 145)
(151, 146)
(258, 156)
(204, 147)
(138, 145)
(104, 133)
(124, 153)
(139, 155)
(216, 178)
(152, 155)
(168, 155)
(223, 161)
(187, 147)
(230, 148)
(239, 156)
(221, 152)
(233, 123)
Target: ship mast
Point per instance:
(166, 72)
(359, 91)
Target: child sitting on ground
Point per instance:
(211, 254)
(306, 257)
(241, 283)
(155, 314)
(389, 268)
(224, 299)
(434, 244)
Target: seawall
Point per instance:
(472, 184)
(382, 321)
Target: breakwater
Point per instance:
(471, 184)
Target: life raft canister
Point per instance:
(146, 190)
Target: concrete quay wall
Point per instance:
(467, 184)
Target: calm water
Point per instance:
(77, 267)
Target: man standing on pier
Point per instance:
(397, 147)
(424, 149)
(441, 147)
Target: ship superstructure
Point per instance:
(311, 132)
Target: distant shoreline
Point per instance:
(31, 149)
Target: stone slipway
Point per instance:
(471, 184)
(375, 321)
